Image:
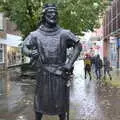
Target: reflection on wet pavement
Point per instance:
(13, 95)
(83, 96)
(87, 101)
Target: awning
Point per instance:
(95, 38)
(12, 40)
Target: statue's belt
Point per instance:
(55, 69)
(52, 68)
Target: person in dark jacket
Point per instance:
(107, 68)
(48, 47)
(98, 66)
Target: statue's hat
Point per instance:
(49, 6)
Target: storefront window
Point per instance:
(13, 55)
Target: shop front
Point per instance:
(10, 51)
(113, 51)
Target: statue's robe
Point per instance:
(50, 94)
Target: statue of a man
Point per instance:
(48, 46)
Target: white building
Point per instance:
(10, 51)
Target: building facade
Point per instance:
(10, 52)
(111, 33)
(97, 42)
(2, 46)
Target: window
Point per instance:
(1, 56)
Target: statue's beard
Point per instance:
(51, 22)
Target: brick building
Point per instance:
(111, 32)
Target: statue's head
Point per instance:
(49, 14)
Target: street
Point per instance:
(88, 101)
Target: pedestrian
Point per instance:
(93, 64)
(107, 68)
(48, 46)
(87, 66)
(98, 66)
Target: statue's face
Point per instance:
(51, 16)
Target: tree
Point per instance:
(77, 15)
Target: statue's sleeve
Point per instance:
(71, 39)
(28, 45)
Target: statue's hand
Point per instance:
(34, 54)
(67, 67)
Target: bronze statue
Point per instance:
(47, 46)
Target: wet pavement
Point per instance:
(88, 100)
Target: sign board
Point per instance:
(1, 22)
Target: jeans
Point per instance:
(107, 71)
(98, 73)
